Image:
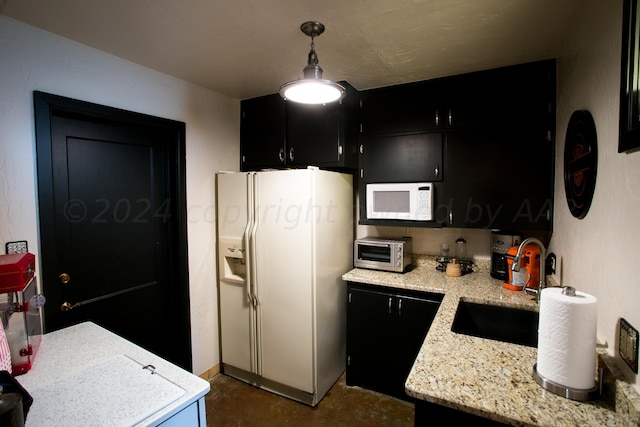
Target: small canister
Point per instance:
(461, 248)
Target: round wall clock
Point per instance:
(580, 162)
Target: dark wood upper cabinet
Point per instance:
(262, 132)
(407, 108)
(324, 135)
(276, 134)
(403, 158)
(496, 133)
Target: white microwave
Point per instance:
(411, 201)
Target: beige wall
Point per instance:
(598, 252)
(30, 60)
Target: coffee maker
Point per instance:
(529, 274)
(501, 242)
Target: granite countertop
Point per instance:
(89, 358)
(490, 378)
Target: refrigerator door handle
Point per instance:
(246, 238)
(257, 336)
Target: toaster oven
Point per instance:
(378, 253)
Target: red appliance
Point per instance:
(20, 309)
(529, 274)
(15, 271)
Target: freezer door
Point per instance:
(284, 272)
(237, 313)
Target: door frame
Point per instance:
(48, 105)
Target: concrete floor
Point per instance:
(234, 403)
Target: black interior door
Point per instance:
(113, 249)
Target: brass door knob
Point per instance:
(64, 278)
(66, 306)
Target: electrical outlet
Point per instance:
(628, 344)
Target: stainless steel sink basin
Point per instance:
(507, 324)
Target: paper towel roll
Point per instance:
(567, 338)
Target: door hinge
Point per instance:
(339, 150)
(360, 127)
(549, 135)
(361, 148)
(349, 296)
(348, 360)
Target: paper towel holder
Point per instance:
(564, 391)
(567, 392)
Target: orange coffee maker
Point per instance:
(529, 274)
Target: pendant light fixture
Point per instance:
(312, 89)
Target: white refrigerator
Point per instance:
(284, 240)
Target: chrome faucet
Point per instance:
(515, 266)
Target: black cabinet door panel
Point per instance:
(414, 317)
(262, 133)
(369, 326)
(509, 186)
(403, 158)
(313, 134)
(404, 108)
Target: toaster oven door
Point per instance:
(373, 255)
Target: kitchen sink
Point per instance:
(507, 324)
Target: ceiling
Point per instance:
(248, 48)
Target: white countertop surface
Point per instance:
(85, 372)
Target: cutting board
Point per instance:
(115, 392)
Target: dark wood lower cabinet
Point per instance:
(385, 330)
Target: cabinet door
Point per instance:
(404, 108)
(262, 133)
(369, 334)
(413, 320)
(499, 180)
(402, 158)
(313, 134)
(470, 100)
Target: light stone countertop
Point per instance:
(490, 378)
(66, 353)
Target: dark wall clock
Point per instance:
(580, 162)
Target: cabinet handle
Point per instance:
(437, 119)
(449, 116)
(291, 154)
(281, 155)
(437, 171)
(389, 305)
(400, 307)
